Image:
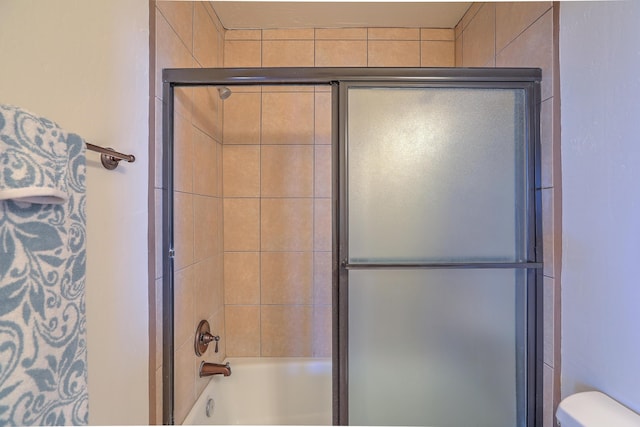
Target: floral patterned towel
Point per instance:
(43, 373)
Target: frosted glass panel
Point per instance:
(434, 347)
(436, 174)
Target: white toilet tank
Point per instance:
(594, 409)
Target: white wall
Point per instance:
(600, 83)
(85, 65)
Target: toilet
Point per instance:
(594, 409)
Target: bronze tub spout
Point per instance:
(207, 369)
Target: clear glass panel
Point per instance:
(436, 174)
(435, 347)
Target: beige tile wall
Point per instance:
(277, 181)
(525, 34)
(276, 186)
(340, 47)
(189, 34)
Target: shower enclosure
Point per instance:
(436, 241)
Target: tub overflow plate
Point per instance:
(208, 410)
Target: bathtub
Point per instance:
(267, 391)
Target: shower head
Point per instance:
(224, 92)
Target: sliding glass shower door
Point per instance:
(437, 254)
(436, 242)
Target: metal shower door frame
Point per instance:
(339, 79)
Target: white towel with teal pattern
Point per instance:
(43, 358)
